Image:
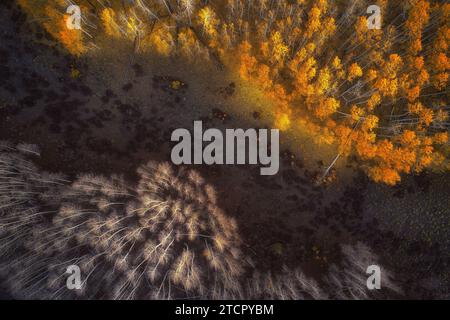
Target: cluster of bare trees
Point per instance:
(166, 238)
(286, 285)
(344, 281)
(162, 239)
(27, 199)
(349, 279)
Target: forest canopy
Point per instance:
(378, 95)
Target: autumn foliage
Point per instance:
(380, 95)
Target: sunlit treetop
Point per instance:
(366, 91)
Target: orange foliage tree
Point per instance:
(377, 94)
